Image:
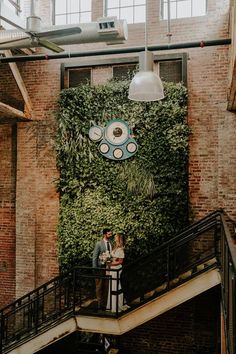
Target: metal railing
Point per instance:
(59, 299)
(37, 310)
(184, 253)
(228, 287)
(199, 247)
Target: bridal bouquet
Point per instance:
(105, 257)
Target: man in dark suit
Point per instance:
(102, 248)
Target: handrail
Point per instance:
(230, 242)
(174, 257)
(185, 231)
(74, 292)
(189, 231)
(228, 286)
(58, 299)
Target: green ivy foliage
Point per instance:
(145, 197)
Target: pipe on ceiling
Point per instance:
(36, 57)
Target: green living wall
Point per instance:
(145, 197)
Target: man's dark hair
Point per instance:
(105, 231)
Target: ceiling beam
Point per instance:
(11, 111)
(20, 83)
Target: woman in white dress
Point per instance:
(118, 256)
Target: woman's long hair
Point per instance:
(120, 241)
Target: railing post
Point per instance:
(228, 275)
(218, 239)
(117, 291)
(74, 290)
(1, 331)
(231, 309)
(222, 330)
(168, 267)
(36, 312)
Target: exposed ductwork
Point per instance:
(107, 29)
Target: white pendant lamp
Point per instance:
(146, 85)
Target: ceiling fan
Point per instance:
(107, 29)
(38, 37)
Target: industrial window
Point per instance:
(171, 70)
(14, 5)
(72, 11)
(78, 77)
(133, 11)
(183, 8)
(172, 67)
(124, 72)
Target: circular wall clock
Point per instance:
(104, 148)
(115, 140)
(117, 132)
(95, 133)
(118, 153)
(131, 147)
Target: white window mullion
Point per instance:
(183, 8)
(74, 11)
(126, 10)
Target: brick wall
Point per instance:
(9, 92)
(30, 242)
(37, 199)
(29, 200)
(212, 145)
(7, 212)
(36, 207)
(190, 328)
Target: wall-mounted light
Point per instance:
(146, 85)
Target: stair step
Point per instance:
(136, 301)
(210, 262)
(174, 281)
(149, 294)
(161, 288)
(200, 267)
(186, 274)
(90, 303)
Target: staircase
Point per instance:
(199, 258)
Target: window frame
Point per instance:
(126, 61)
(177, 18)
(71, 70)
(67, 14)
(127, 65)
(15, 6)
(121, 7)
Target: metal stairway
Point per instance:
(201, 257)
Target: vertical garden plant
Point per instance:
(145, 196)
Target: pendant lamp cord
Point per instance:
(145, 29)
(33, 8)
(169, 34)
